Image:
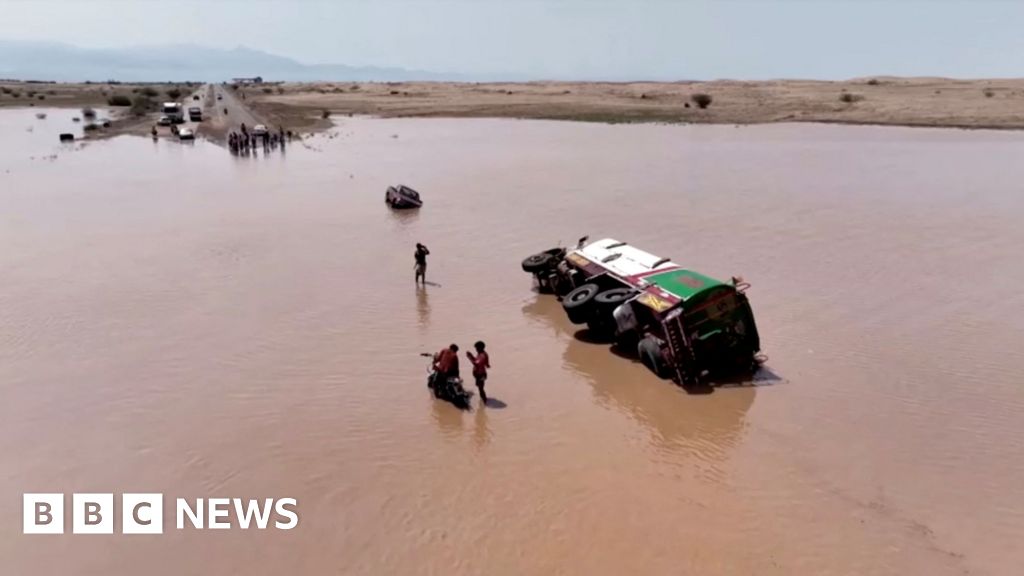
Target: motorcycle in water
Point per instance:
(447, 389)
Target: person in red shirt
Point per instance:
(446, 362)
(481, 362)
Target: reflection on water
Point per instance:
(422, 305)
(705, 427)
(481, 431)
(173, 321)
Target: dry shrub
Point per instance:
(702, 100)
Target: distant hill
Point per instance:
(67, 63)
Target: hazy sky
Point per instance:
(657, 39)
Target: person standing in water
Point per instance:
(421, 263)
(481, 362)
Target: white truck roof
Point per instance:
(622, 259)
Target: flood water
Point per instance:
(177, 320)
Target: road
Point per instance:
(219, 116)
(224, 115)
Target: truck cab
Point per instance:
(174, 111)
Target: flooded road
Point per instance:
(177, 320)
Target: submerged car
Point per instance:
(682, 324)
(402, 196)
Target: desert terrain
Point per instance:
(884, 101)
(307, 107)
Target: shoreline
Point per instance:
(308, 107)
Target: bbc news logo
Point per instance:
(144, 513)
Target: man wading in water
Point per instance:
(481, 362)
(421, 263)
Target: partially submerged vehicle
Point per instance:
(448, 389)
(186, 134)
(67, 137)
(402, 196)
(682, 324)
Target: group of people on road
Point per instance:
(446, 362)
(245, 142)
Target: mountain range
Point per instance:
(23, 60)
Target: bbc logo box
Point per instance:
(93, 513)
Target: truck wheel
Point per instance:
(614, 297)
(578, 303)
(650, 355)
(538, 262)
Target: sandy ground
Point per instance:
(887, 101)
(305, 107)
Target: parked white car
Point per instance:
(259, 129)
(186, 134)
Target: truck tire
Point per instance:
(612, 298)
(538, 262)
(650, 355)
(579, 302)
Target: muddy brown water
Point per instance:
(176, 320)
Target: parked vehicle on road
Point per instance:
(682, 324)
(174, 111)
(164, 121)
(186, 134)
(259, 129)
(195, 114)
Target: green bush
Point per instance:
(88, 113)
(149, 92)
(989, 93)
(873, 82)
(325, 114)
(174, 93)
(90, 127)
(41, 97)
(119, 100)
(701, 100)
(5, 89)
(850, 98)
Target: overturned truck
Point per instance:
(682, 324)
